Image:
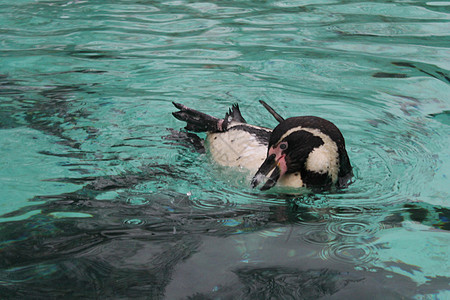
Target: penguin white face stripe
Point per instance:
(323, 159)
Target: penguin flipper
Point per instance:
(272, 111)
(186, 139)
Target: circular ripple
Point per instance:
(319, 237)
(346, 212)
(349, 253)
(352, 228)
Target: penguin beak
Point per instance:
(267, 166)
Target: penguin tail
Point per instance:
(234, 115)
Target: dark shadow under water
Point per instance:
(139, 251)
(157, 249)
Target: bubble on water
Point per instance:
(134, 222)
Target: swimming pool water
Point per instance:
(101, 199)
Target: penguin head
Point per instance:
(309, 147)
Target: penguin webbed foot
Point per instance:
(196, 121)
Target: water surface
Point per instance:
(100, 197)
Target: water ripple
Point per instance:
(98, 199)
(351, 253)
(320, 237)
(346, 212)
(304, 19)
(397, 30)
(352, 228)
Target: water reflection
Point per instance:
(135, 231)
(99, 199)
(120, 248)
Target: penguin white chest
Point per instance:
(236, 149)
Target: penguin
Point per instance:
(304, 151)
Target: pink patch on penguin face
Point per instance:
(280, 156)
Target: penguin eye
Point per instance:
(283, 146)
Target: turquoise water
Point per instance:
(100, 200)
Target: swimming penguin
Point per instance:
(304, 151)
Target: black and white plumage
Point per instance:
(301, 151)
